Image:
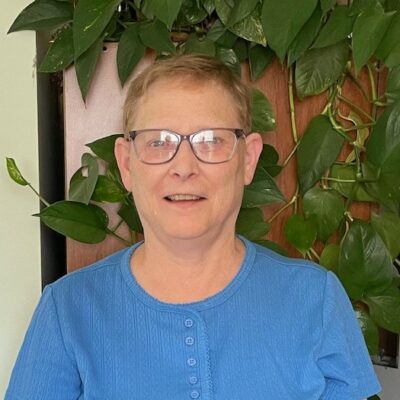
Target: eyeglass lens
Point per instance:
(210, 145)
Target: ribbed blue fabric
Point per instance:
(283, 329)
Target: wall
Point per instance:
(20, 281)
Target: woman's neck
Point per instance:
(187, 271)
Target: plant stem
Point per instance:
(291, 106)
(43, 200)
(373, 89)
(290, 155)
(339, 128)
(122, 24)
(118, 225)
(339, 180)
(295, 136)
(357, 127)
(397, 262)
(121, 239)
(132, 4)
(356, 107)
(314, 253)
(282, 209)
(380, 103)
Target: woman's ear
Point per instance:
(121, 151)
(254, 146)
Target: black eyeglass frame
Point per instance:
(239, 133)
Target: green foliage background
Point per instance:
(322, 44)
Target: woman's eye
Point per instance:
(214, 141)
(157, 143)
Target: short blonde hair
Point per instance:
(198, 68)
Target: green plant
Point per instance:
(323, 45)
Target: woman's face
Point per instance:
(184, 106)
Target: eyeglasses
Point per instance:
(159, 146)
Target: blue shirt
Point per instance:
(282, 329)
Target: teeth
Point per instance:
(178, 197)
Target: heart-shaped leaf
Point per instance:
(269, 160)
(156, 36)
(358, 6)
(383, 147)
(327, 206)
(262, 116)
(209, 5)
(369, 330)
(107, 191)
(305, 37)
(81, 188)
(230, 15)
(85, 66)
(383, 156)
(300, 233)
(259, 59)
(130, 216)
(250, 223)
(130, 52)
(369, 29)
(330, 257)
(318, 149)
(42, 15)
(165, 10)
(229, 58)
(60, 54)
(261, 191)
(200, 46)
(250, 28)
(317, 69)
(15, 173)
(346, 184)
(393, 85)
(283, 20)
(389, 47)
(90, 19)
(81, 222)
(241, 49)
(221, 35)
(337, 28)
(191, 13)
(365, 265)
(387, 225)
(104, 148)
(384, 309)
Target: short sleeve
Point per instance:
(342, 355)
(44, 370)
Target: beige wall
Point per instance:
(19, 232)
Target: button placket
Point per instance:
(191, 361)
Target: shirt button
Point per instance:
(194, 394)
(193, 380)
(188, 322)
(191, 362)
(189, 340)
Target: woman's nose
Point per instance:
(185, 163)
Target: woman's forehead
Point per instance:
(170, 99)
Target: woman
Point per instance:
(194, 311)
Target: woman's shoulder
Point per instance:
(99, 273)
(270, 262)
